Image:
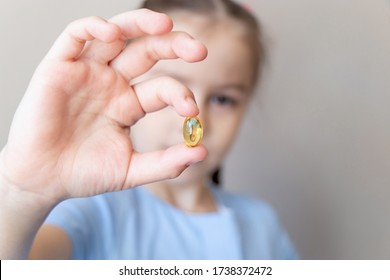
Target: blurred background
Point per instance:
(316, 142)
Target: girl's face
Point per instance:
(221, 84)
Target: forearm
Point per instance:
(21, 215)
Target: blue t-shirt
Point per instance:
(135, 224)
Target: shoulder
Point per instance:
(253, 214)
(262, 233)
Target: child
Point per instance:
(70, 138)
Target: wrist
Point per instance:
(21, 215)
(14, 197)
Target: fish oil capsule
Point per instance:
(192, 131)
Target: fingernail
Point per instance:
(192, 101)
(192, 105)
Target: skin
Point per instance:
(61, 126)
(222, 87)
(78, 110)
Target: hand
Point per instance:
(70, 134)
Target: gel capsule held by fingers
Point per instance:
(192, 131)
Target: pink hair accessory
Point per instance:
(247, 7)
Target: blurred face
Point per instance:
(222, 87)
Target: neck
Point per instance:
(192, 198)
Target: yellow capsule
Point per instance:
(192, 131)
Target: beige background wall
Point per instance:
(316, 142)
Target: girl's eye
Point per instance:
(223, 100)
